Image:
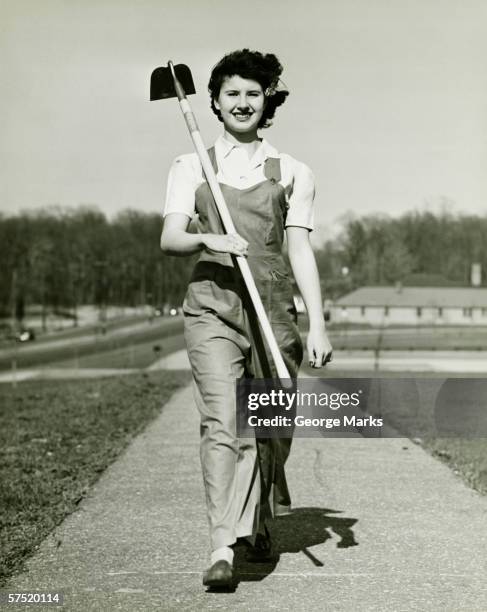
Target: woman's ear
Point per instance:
(215, 103)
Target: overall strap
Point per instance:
(272, 169)
(213, 214)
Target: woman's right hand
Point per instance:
(226, 243)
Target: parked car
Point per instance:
(25, 335)
(167, 310)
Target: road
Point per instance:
(56, 348)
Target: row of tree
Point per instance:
(60, 258)
(418, 248)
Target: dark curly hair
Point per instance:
(265, 69)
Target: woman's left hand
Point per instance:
(319, 348)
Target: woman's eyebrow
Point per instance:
(239, 90)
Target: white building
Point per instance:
(382, 306)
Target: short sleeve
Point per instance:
(301, 197)
(181, 186)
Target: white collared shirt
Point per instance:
(237, 170)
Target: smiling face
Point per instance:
(241, 103)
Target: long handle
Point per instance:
(229, 227)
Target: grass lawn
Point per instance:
(56, 438)
(467, 458)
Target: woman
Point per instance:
(268, 194)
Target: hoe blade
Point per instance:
(162, 82)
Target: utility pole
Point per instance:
(159, 285)
(123, 286)
(43, 291)
(74, 278)
(143, 296)
(164, 282)
(13, 298)
(100, 266)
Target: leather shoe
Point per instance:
(219, 575)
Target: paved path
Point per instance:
(379, 525)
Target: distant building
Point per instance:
(412, 306)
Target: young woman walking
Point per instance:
(269, 195)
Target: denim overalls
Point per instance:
(243, 479)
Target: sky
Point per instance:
(388, 99)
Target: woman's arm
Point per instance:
(179, 208)
(305, 272)
(176, 240)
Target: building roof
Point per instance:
(453, 297)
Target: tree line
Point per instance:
(59, 258)
(418, 248)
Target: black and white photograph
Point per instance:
(243, 305)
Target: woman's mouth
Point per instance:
(242, 116)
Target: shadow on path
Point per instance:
(295, 533)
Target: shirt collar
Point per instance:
(223, 148)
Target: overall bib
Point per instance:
(244, 479)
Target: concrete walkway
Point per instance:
(378, 525)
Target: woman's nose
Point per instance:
(243, 102)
